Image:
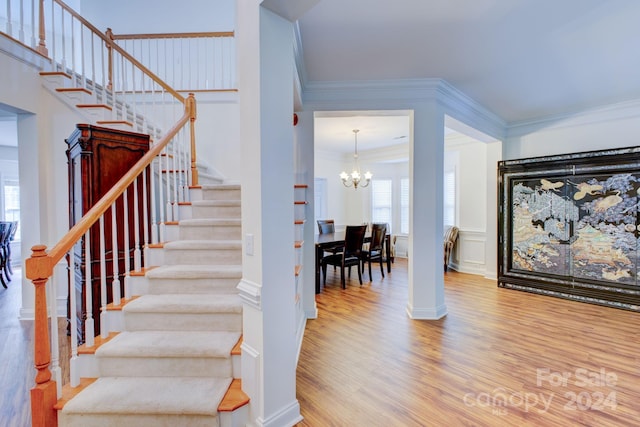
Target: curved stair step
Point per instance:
(194, 279)
(184, 312)
(210, 229)
(216, 209)
(168, 354)
(211, 252)
(149, 401)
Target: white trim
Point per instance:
(287, 416)
(604, 113)
(16, 50)
(403, 94)
(426, 313)
(250, 293)
(302, 325)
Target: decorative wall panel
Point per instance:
(569, 226)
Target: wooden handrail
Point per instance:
(173, 35)
(121, 51)
(41, 267)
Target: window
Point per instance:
(11, 194)
(381, 201)
(404, 206)
(449, 199)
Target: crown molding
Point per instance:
(603, 113)
(403, 94)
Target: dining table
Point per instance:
(336, 240)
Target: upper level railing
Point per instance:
(132, 214)
(189, 62)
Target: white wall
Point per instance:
(347, 206)
(610, 126)
(160, 16)
(218, 134)
(470, 159)
(43, 123)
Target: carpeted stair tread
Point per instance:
(203, 245)
(170, 344)
(140, 395)
(216, 203)
(196, 272)
(209, 222)
(185, 303)
(220, 186)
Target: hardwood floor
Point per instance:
(497, 359)
(16, 364)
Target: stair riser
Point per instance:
(193, 286)
(165, 367)
(203, 256)
(155, 420)
(218, 194)
(226, 232)
(216, 211)
(183, 322)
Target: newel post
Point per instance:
(191, 105)
(44, 393)
(42, 45)
(109, 34)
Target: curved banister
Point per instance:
(109, 41)
(41, 267)
(173, 35)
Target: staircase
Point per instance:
(171, 362)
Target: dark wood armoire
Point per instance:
(98, 157)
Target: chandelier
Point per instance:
(355, 177)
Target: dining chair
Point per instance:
(327, 226)
(350, 256)
(5, 231)
(11, 235)
(374, 252)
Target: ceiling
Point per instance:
(521, 59)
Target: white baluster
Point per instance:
(53, 41)
(168, 183)
(21, 31)
(9, 28)
(82, 58)
(104, 328)
(73, 304)
(137, 261)
(34, 30)
(63, 61)
(89, 331)
(55, 369)
(127, 253)
(115, 284)
(145, 214)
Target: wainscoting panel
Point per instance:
(469, 254)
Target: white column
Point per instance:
(426, 266)
(494, 154)
(265, 68)
(304, 138)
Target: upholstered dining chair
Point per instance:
(450, 237)
(350, 256)
(374, 252)
(5, 232)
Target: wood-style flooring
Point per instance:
(499, 358)
(17, 373)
